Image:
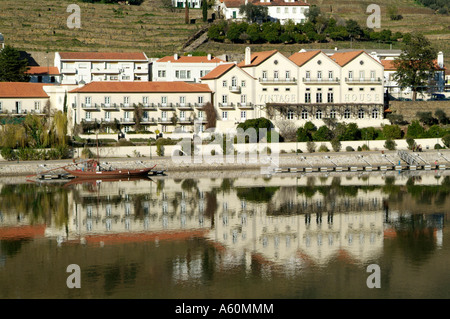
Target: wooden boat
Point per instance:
(92, 169)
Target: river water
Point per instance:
(248, 236)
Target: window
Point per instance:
(225, 115)
(126, 100)
(350, 75)
(304, 114)
(372, 89)
(182, 115)
(264, 75)
(177, 74)
(224, 99)
(161, 73)
(319, 75)
(126, 115)
(243, 115)
(294, 10)
(361, 114)
(275, 89)
(330, 75)
(350, 89)
(288, 75)
(243, 84)
(278, 10)
(163, 100)
(1, 106)
(200, 100)
(182, 100)
(308, 75)
(107, 100)
(288, 89)
(361, 75)
(333, 114)
(233, 81)
(290, 115)
(372, 75)
(275, 75)
(318, 97)
(346, 114)
(164, 115)
(224, 83)
(374, 113)
(307, 97)
(37, 106)
(243, 99)
(318, 114)
(286, 10)
(88, 116)
(145, 100)
(200, 115)
(107, 116)
(87, 100)
(330, 97)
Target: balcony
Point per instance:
(247, 105)
(69, 71)
(127, 120)
(141, 71)
(277, 81)
(226, 106)
(110, 106)
(105, 71)
(164, 120)
(184, 106)
(235, 89)
(90, 107)
(199, 106)
(166, 106)
(127, 106)
(364, 81)
(321, 80)
(185, 121)
(149, 106)
(149, 121)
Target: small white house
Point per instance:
(278, 10)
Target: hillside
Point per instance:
(41, 26)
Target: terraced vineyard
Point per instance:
(42, 26)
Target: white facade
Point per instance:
(75, 67)
(197, 4)
(278, 10)
(183, 68)
(308, 86)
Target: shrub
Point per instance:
(446, 140)
(213, 152)
(349, 149)
(311, 146)
(411, 143)
(336, 144)
(267, 150)
(8, 154)
(438, 146)
(390, 144)
(359, 149)
(87, 153)
(323, 148)
(160, 149)
(365, 147)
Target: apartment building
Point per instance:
(307, 86)
(43, 74)
(183, 68)
(162, 106)
(20, 98)
(76, 67)
(278, 10)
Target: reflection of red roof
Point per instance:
(102, 56)
(390, 233)
(121, 238)
(43, 70)
(190, 59)
(18, 232)
(257, 58)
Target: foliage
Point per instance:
(446, 140)
(131, 2)
(12, 67)
(323, 134)
(211, 115)
(336, 144)
(311, 147)
(415, 130)
(411, 143)
(426, 118)
(390, 144)
(415, 64)
(441, 116)
(254, 13)
(440, 6)
(204, 10)
(392, 132)
(257, 124)
(349, 149)
(323, 148)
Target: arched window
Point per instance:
(375, 113)
(233, 81)
(290, 115)
(361, 114)
(346, 114)
(304, 114)
(318, 114)
(333, 114)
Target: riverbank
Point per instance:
(236, 163)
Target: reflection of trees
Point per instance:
(256, 194)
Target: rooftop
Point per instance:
(190, 59)
(142, 87)
(43, 70)
(104, 56)
(257, 58)
(218, 71)
(22, 89)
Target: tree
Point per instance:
(186, 12)
(211, 115)
(415, 65)
(204, 10)
(12, 67)
(254, 13)
(415, 130)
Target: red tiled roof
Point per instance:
(43, 70)
(342, 58)
(22, 89)
(301, 58)
(257, 58)
(389, 65)
(218, 71)
(103, 56)
(190, 59)
(136, 87)
(275, 3)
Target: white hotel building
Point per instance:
(75, 67)
(307, 86)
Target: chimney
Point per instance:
(248, 54)
(440, 59)
(209, 56)
(175, 56)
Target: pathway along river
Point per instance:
(252, 236)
